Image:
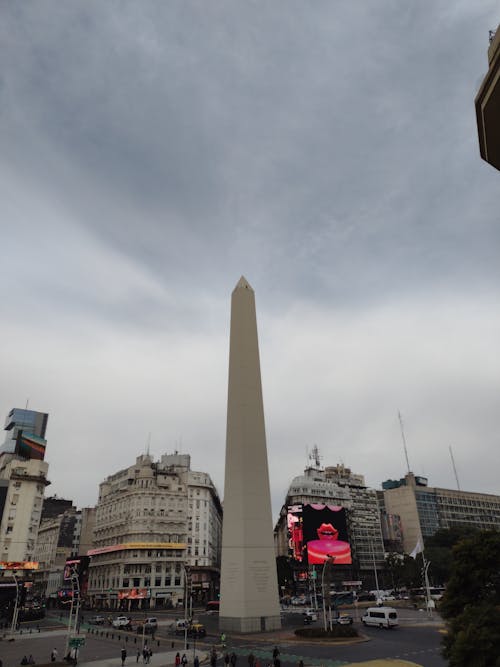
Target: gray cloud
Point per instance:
(153, 152)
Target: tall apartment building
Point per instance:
(424, 510)
(153, 519)
(337, 485)
(23, 472)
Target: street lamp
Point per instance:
(16, 605)
(329, 560)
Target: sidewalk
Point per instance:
(163, 659)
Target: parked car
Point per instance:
(121, 622)
(97, 620)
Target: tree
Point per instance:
(471, 603)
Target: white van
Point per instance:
(383, 617)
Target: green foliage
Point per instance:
(337, 632)
(471, 603)
(473, 639)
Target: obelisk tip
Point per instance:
(243, 284)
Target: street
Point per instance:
(419, 643)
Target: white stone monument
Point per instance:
(249, 587)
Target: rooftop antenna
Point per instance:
(404, 441)
(454, 467)
(148, 443)
(315, 456)
(27, 403)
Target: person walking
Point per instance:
(138, 655)
(123, 655)
(177, 659)
(276, 652)
(233, 659)
(196, 661)
(53, 655)
(150, 654)
(226, 659)
(184, 660)
(251, 660)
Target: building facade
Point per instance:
(338, 486)
(24, 477)
(154, 524)
(424, 510)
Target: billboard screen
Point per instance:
(295, 535)
(325, 535)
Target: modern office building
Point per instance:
(488, 105)
(424, 510)
(337, 486)
(153, 520)
(24, 475)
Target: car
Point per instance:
(310, 615)
(344, 619)
(97, 620)
(197, 630)
(121, 622)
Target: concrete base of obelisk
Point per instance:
(249, 624)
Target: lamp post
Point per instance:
(16, 605)
(328, 561)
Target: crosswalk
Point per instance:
(265, 658)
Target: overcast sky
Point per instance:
(153, 152)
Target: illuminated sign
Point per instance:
(325, 534)
(18, 565)
(136, 545)
(133, 594)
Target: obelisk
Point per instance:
(249, 600)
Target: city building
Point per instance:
(424, 510)
(155, 522)
(337, 486)
(23, 472)
(58, 538)
(488, 105)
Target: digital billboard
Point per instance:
(325, 534)
(317, 531)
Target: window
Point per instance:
(137, 583)
(177, 581)
(157, 581)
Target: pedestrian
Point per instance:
(24, 661)
(276, 652)
(233, 659)
(138, 655)
(124, 655)
(184, 660)
(213, 658)
(31, 660)
(196, 661)
(145, 654)
(53, 655)
(150, 654)
(251, 660)
(177, 659)
(223, 640)
(226, 659)
(301, 663)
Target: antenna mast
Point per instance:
(315, 456)
(454, 467)
(404, 441)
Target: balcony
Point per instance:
(488, 105)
